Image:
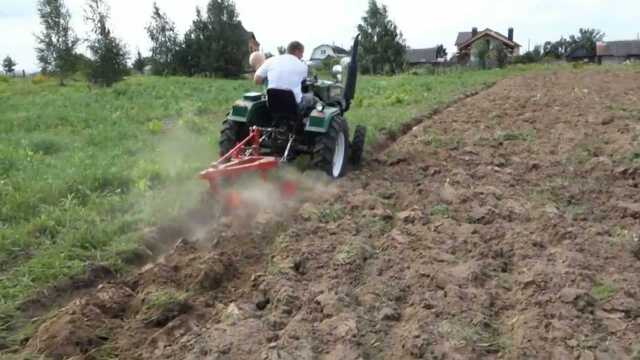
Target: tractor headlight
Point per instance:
(320, 107)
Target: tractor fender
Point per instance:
(319, 120)
(245, 110)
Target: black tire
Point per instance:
(325, 148)
(357, 145)
(232, 133)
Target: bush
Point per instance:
(578, 65)
(423, 70)
(328, 63)
(4, 79)
(498, 55)
(39, 79)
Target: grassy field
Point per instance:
(83, 171)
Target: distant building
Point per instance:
(431, 56)
(252, 42)
(466, 40)
(617, 52)
(325, 51)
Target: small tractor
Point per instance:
(264, 130)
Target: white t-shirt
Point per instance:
(285, 72)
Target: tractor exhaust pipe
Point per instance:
(352, 75)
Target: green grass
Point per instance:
(83, 170)
(162, 299)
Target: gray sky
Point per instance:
(276, 22)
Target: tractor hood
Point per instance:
(352, 75)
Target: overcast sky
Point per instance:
(276, 22)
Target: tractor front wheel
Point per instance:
(331, 149)
(231, 134)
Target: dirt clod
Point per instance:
(389, 313)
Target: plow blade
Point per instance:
(243, 159)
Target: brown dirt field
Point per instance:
(505, 227)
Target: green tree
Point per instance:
(328, 63)
(587, 38)
(109, 63)
(498, 55)
(139, 63)
(557, 50)
(165, 43)
(282, 50)
(529, 57)
(9, 65)
(480, 51)
(216, 44)
(382, 45)
(57, 42)
(441, 52)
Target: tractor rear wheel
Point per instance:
(331, 149)
(231, 134)
(357, 145)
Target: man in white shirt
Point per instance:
(287, 72)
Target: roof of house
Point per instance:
(619, 48)
(416, 56)
(340, 51)
(466, 38)
(336, 49)
(579, 52)
(249, 34)
(463, 37)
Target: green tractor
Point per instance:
(286, 132)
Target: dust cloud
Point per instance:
(186, 203)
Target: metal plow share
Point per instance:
(245, 160)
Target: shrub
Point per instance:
(4, 79)
(498, 55)
(39, 79)
(423, 70)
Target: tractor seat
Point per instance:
(282, 102)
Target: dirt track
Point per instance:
(504, 227)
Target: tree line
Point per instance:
(57, 44)
(586, 39)
(216, 44)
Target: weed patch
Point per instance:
(163, 306)
(440, 210)
(439, 142)
(603, 290)
(482, 335)
(506, 136)
(331, 214)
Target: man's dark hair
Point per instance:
(295, 46)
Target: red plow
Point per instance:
(244, 159)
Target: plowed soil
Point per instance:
(504, 227)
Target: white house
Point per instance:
(324, 51)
